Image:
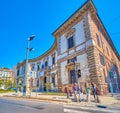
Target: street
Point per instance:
(26, 106)
(14, 105)
(92, 109)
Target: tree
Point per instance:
(8, 84)
(48, 86)
(1, 83)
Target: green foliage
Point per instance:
(7, 83)
(48, 86)
(54, 93)
(1, 83)
(5, 91)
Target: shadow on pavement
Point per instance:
(101, 106)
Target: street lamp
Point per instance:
(26, 66)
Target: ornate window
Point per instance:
(46, 63)
(32, 67)
(98, 40)
(72, 60)
(38, 66)
(53, 59)
(70, 42)
(107, 51)
(102, 60)
(18, 72)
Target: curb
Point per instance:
(63, 100)
(38, 98)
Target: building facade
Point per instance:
(6, 75)
(81, 43)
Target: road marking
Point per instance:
(74, 111)
(89, 108)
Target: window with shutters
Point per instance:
(98, 40)
(53, 60)
(38, 66)
(70, 42)
(107, 51)
(46, 63)
(102, 60)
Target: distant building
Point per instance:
(6, 75)
(81, 43)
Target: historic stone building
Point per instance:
(81, 43)
(5, 76)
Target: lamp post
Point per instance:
(26, 66)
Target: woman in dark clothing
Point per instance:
(94, 90)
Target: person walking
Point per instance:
(67, 91)
(75, 90)
(87, 88)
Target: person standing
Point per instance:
(87, 88)
(94, 90)
(67, 91)
(75, 90)
(80, 93)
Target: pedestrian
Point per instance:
(87, 88)
(80, 93)
(75, 90)
(94, 90)
(67, 91)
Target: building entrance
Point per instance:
(72, 77)
(44, 83)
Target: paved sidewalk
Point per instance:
(104, 100)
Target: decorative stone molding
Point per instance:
(70, 32)
(72, 66)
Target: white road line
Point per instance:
(74, 111)
(92, 108)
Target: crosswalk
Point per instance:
(88, 109)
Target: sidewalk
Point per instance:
(104, 100)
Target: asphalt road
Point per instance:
(92, 109)
(13, 105)
(8, 105)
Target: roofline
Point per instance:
(39, 57)
(112, 44)
(55, 42)
(87, 1)
(45, 53)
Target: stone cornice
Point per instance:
(75, 18)
(72, 55)
(52, 49)
(70, 32)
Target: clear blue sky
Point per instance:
(20, 19)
